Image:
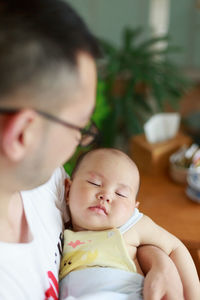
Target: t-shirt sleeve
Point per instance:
(56, 185)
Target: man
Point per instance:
(47, 95)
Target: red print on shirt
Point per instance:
(75, 244)
(52, 292)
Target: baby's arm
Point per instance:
(157, 266)
(149, 233)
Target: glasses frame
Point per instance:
(83, 131)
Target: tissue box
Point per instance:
(154, 158)
(162, 127)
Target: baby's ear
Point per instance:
(137, 204)
(67, 189)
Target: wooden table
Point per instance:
(168, 205)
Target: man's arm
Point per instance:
(162, 280)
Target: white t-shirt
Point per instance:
(30, 271)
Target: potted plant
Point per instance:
(138, 81)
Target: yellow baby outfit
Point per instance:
(95, 249)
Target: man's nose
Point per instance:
(104, 197)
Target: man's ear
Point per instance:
(68, 183)
(137, 204)
(14, 135)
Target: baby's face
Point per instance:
(103, 191)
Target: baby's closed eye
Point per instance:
(121, 194)
(93, 183)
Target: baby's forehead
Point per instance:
(103, 155)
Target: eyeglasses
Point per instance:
(89, 135)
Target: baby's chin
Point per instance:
(91, 227)
(98, 223)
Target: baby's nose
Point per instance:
(102, 196)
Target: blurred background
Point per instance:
(151, 64)
(107, 19)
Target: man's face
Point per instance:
(63, 141)
(103, 191)
(60, 142)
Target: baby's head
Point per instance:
(103, 190)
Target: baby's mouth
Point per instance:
(99, 209)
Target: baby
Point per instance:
(107, 228)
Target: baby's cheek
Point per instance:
(124, 212)
(77, 192)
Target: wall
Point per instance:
(106, 18)
(185, 31)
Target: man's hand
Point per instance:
(162, 281)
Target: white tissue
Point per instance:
(162, 127)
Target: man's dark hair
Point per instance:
(37, 38)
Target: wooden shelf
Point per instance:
(167, 204)
(154, 158)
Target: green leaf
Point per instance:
(138, 63)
